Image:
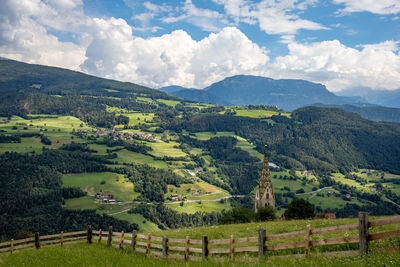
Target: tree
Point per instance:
(265, 214)
(300, 209)
(237, 215)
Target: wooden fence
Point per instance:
(197, 249)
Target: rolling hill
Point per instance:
(77, 136)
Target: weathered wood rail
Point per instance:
(197, 249)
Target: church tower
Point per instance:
(264, 194)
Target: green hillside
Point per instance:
(146, 160)
(93, 254)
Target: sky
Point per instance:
(342, 44)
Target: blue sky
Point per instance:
(339, 43)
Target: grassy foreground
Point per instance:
(101, 255)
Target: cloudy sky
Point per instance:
(193, 43)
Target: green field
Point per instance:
(197, 191)
(57, 129)
(115, 184)
(136, 117)
(125, 156)
(171, 103)
(341, 179)
(102, 255)
(145, 226)
(259, 113)
(162, 149)
(192, 207)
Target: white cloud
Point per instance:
(171, 58)
(24, 32)
(273, 17)
(206, 19)
(382, 7)
(338, 67)
(107, 47)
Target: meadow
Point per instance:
(101, 255)
(259, 113)
(107, 182)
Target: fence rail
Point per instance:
(197, 249)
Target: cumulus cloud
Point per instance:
(171, 58)
(338, 66)
(24, 32)
(107, 47)
(382, 7)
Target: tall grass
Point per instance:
(101, 255)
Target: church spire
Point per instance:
(264, 193)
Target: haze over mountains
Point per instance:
(389, 98)
(255, 90)
(290, 94)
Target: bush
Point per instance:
(238, 215)
(265, 214)
(300, 209)
(300, 191)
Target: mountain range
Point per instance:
(388, 98)
(240, 90)
(290, 94)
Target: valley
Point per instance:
(136, 155)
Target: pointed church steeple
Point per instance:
(264, 194)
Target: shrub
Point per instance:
(265, 214)
(300, 209)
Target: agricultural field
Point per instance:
(57, 129)
(258, 113)
(125, 156)
(203, 206)
(171, 103)
(338, 177)
(328, 198)
(164, 149)
(107, 182)
(198, 105)
(199, 190)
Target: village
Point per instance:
(119, 135)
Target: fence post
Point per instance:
(121, 243)
(109, 237)
(89, 234)
(231, 248)
(262, 238)
(165, 246)
(187, 248)
(12, 245)
(204, 250)
(100, 236)
(62, 238)
(148, 243)
(363, 232)
(37, 240)
(133, 244)
(308, 233)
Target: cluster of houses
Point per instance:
(106, 198)
(176, 197)
(118, 135)
(194, 171)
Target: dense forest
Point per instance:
(31, 195)
(322, 139)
